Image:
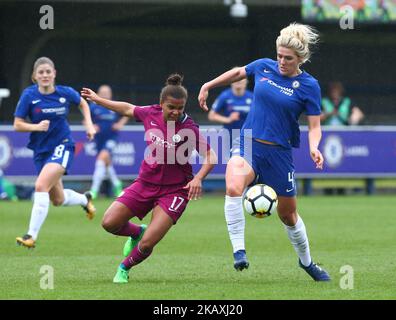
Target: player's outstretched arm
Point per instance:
(123, 108)
(224, 79)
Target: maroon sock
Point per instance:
(129, 230)
(135, 257)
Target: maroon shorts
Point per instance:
(141, 197)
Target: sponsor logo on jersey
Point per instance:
(58, 111)
(107, 116)
(160, 141)
(284, 90)
(242, 108)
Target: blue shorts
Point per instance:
(236, 146)
(62, 154)
(105, 144)
(272, 165)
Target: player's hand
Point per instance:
(97, 128)
(317, 157)
(89, 94)
(203, 95)
(43, 125)
(234, 116)
(195, 189)
(91, 132)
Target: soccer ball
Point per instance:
(260, 201)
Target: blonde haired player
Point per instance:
(282, 92)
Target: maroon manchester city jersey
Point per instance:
(170, 146)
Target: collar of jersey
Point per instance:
(285, 77)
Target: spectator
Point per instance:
(338, 109)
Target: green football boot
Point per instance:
(94, 194)
(122, 276)
(132, 243)
(117, 189)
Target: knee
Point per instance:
(288, 217)
(146, 246)
(57, 202)
(109, 225)
(234, 190)
(41, 187)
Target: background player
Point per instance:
(107, 125)
(47, 106)
(165, 183)
(282, 92)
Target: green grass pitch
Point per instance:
(194, 260)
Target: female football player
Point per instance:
(47, 106)
(165, 183)
(282, 92)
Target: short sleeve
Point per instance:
(22, 108)
(140, 112)
(73, 96)
(313, 100)
(251, 67)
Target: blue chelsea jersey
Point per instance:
(227, 103)
(53, 107)
(279, 102)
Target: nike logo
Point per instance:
(153, 123)
(232, 223)
(267, 71)
(289, 190)
(36, 101)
